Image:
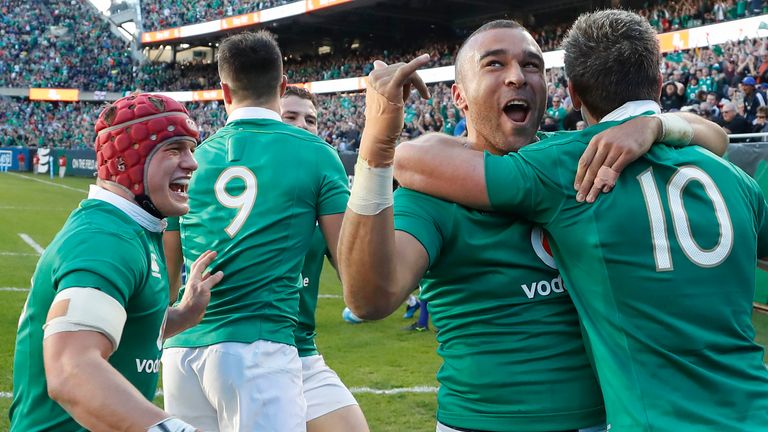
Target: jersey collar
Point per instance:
(253, 113)
(141, 217)
(631, 109)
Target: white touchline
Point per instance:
(33, 244)
(13, 289)
(356, 390)
(328, 296)
(18, 254)
(49, 183)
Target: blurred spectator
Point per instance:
(733, 122)
(760, 124)
(753, 98)
(672, 96)
(556, 112)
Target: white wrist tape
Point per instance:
(77, 309)
(171, 424)
(372, 189)
(675, 130)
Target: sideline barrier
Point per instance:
(752, 157)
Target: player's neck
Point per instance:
(273, 105)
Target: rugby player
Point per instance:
(661, 270)
(262, 188)
(509, 334)
(90, 335)
(330, 405)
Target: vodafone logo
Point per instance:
(540, 245)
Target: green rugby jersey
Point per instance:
(662, 272)
(310, 285)
(98, 247)
(513, 357)
(257, 194)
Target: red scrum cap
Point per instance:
(130, 131)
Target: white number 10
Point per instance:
(243, 202)
(675, 188)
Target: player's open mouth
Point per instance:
(179, 187)
(517, 110)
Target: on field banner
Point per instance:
(46, 159)
(54, 94)
(81, 163)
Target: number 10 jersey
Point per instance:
(255, 199)
(662, 273)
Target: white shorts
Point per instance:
(323, 390)
(443, 428)
(235, 387)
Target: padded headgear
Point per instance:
(130, 131)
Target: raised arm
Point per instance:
(378, 266)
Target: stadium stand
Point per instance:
(61, 44)
(43, 34)
(163, 14)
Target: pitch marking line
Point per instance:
(33, 244)
(356, 390)
(332, 296)
(49, 183)
(17, 254)
(14, 289)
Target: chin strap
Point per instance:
(146, 203)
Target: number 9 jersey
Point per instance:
(662, 273)
(255, 200)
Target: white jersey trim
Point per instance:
(89, 310)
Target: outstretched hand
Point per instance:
(197, 293)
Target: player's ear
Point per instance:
(575, 99)
(283, 85)
(458, 97)
(659, 85)
(227, 92)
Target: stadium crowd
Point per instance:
(163, 14)
(723, 83)
(42, 34)
(705, 81)
(58, 43)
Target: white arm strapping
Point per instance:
(675, 130)
(91, 310)
(171, 424)
(372, 189)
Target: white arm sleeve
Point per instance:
(87, 309)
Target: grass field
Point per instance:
(392, 372)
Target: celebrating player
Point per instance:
(330, 405)
(90, 336)
(262, 188)
(661, 270)
(509, 335)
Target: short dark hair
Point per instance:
(612, 57)
(491, 25)
(301, 92)
(252, 65)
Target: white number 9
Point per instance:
(243, 202)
